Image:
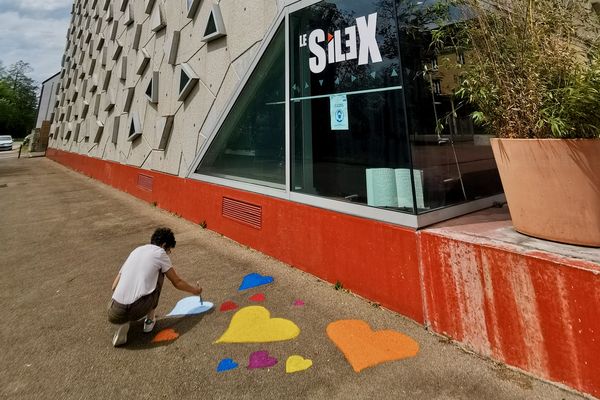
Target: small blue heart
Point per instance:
(226, 365)
(254, 280)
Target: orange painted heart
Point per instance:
(165, 335)
(364, 348)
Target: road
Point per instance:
(63, 238)
(14, 153)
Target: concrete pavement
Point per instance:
(63, 238)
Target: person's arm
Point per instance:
(116, 282)
(181, 284)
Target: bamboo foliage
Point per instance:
(533, 67)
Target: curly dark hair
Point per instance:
(163, 236)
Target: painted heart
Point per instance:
(190, 306)
(254, 325)
(165, 335)
(257, 297)
(364, 348)
(298, 303)
(253, 280)
(261, 359)
(226, 365)
(228, 306)
(296, 364)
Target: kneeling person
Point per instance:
(137, 286)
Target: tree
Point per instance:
(18, 100)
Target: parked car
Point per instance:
(6, 142)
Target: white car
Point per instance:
(6, 142)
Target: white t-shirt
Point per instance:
(139, 274)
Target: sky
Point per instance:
(34, 31)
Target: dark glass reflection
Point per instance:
(362, 163)
(404, 129)
(250, 145)
(454, 155)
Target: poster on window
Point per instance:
(338, 104)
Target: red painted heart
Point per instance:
(228, 306)
(257, 297)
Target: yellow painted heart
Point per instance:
(254, 325)
(297, 363)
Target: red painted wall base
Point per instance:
(533, 311)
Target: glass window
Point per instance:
(250, 145)
(455, 155)
(372, 113)
(349, 136)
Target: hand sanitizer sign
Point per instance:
(338, 104)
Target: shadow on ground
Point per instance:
(138, 340)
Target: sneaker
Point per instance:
(149, 325)
(120, 337)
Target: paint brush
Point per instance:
(201, 302)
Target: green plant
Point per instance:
(203, 224)
(338, 286)
(532, 67)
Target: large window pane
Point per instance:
(347, 165)
(402, 142)
(250, 145)
(344, 64)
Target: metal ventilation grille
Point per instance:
(145, 182)
(246, 213)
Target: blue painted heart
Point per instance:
(226, 365)
(190, 306)
(253, 280)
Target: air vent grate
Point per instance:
(145, 182)
(240, 211)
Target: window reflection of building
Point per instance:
(455, 165)
(454, 154)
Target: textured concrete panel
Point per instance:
(101, 62)
(240, 34)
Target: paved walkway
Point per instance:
(64, 236)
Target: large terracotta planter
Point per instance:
(552, 187)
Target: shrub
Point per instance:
(532, 67)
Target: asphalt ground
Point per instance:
(63, 237)
(14, 153)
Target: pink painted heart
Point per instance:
(261, 359)
(257, 297)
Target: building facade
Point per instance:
(45, 114)
(50, 89)
(247, 96)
